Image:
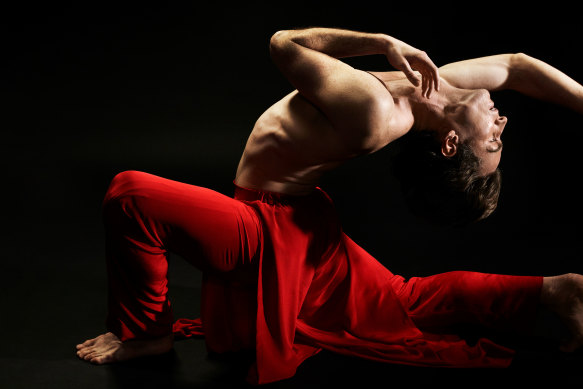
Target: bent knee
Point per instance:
(122, 190)
(123, 184)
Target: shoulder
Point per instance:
(392, 118)
(374, 127)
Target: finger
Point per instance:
(427, 83)
(413, 78)
(425, 87)
(431, 81)
(431, 71)
(410, 74)
(436, 79)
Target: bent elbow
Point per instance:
(277, 36)
(521, 55)
(277, 41)
(518, 65)
(519, 59)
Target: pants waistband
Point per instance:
(248, 194)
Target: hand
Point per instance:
(407, 59)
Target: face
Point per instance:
(479, 123)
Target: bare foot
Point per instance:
(564, 295)
(107, 348)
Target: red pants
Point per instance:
(281, 277)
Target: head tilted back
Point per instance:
(444, 190)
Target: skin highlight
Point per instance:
(456, 115)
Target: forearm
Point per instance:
(540, 80)
(337, 43)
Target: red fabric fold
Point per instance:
(187, 328)
(317, 289)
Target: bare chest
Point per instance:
(292, 145)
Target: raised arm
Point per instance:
(520, 72)
(353, 100)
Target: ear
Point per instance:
(449, 144)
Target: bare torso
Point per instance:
(293, 144)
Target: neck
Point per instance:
(428, 113)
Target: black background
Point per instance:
(174, 90)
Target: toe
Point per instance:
(99, 360)
(87, 343)
(90, 355)
(81, 353)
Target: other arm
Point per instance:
(520, 72)
(353, 100)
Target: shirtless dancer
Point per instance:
(338, 112)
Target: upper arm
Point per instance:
(353, 100)
(492, 73)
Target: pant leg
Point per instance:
(145, 217)
(504, 302)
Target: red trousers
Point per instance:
(281, 277)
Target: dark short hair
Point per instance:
(440, 189)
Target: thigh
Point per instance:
(207, 228)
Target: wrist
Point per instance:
(384, 43)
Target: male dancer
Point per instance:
(280, 276)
